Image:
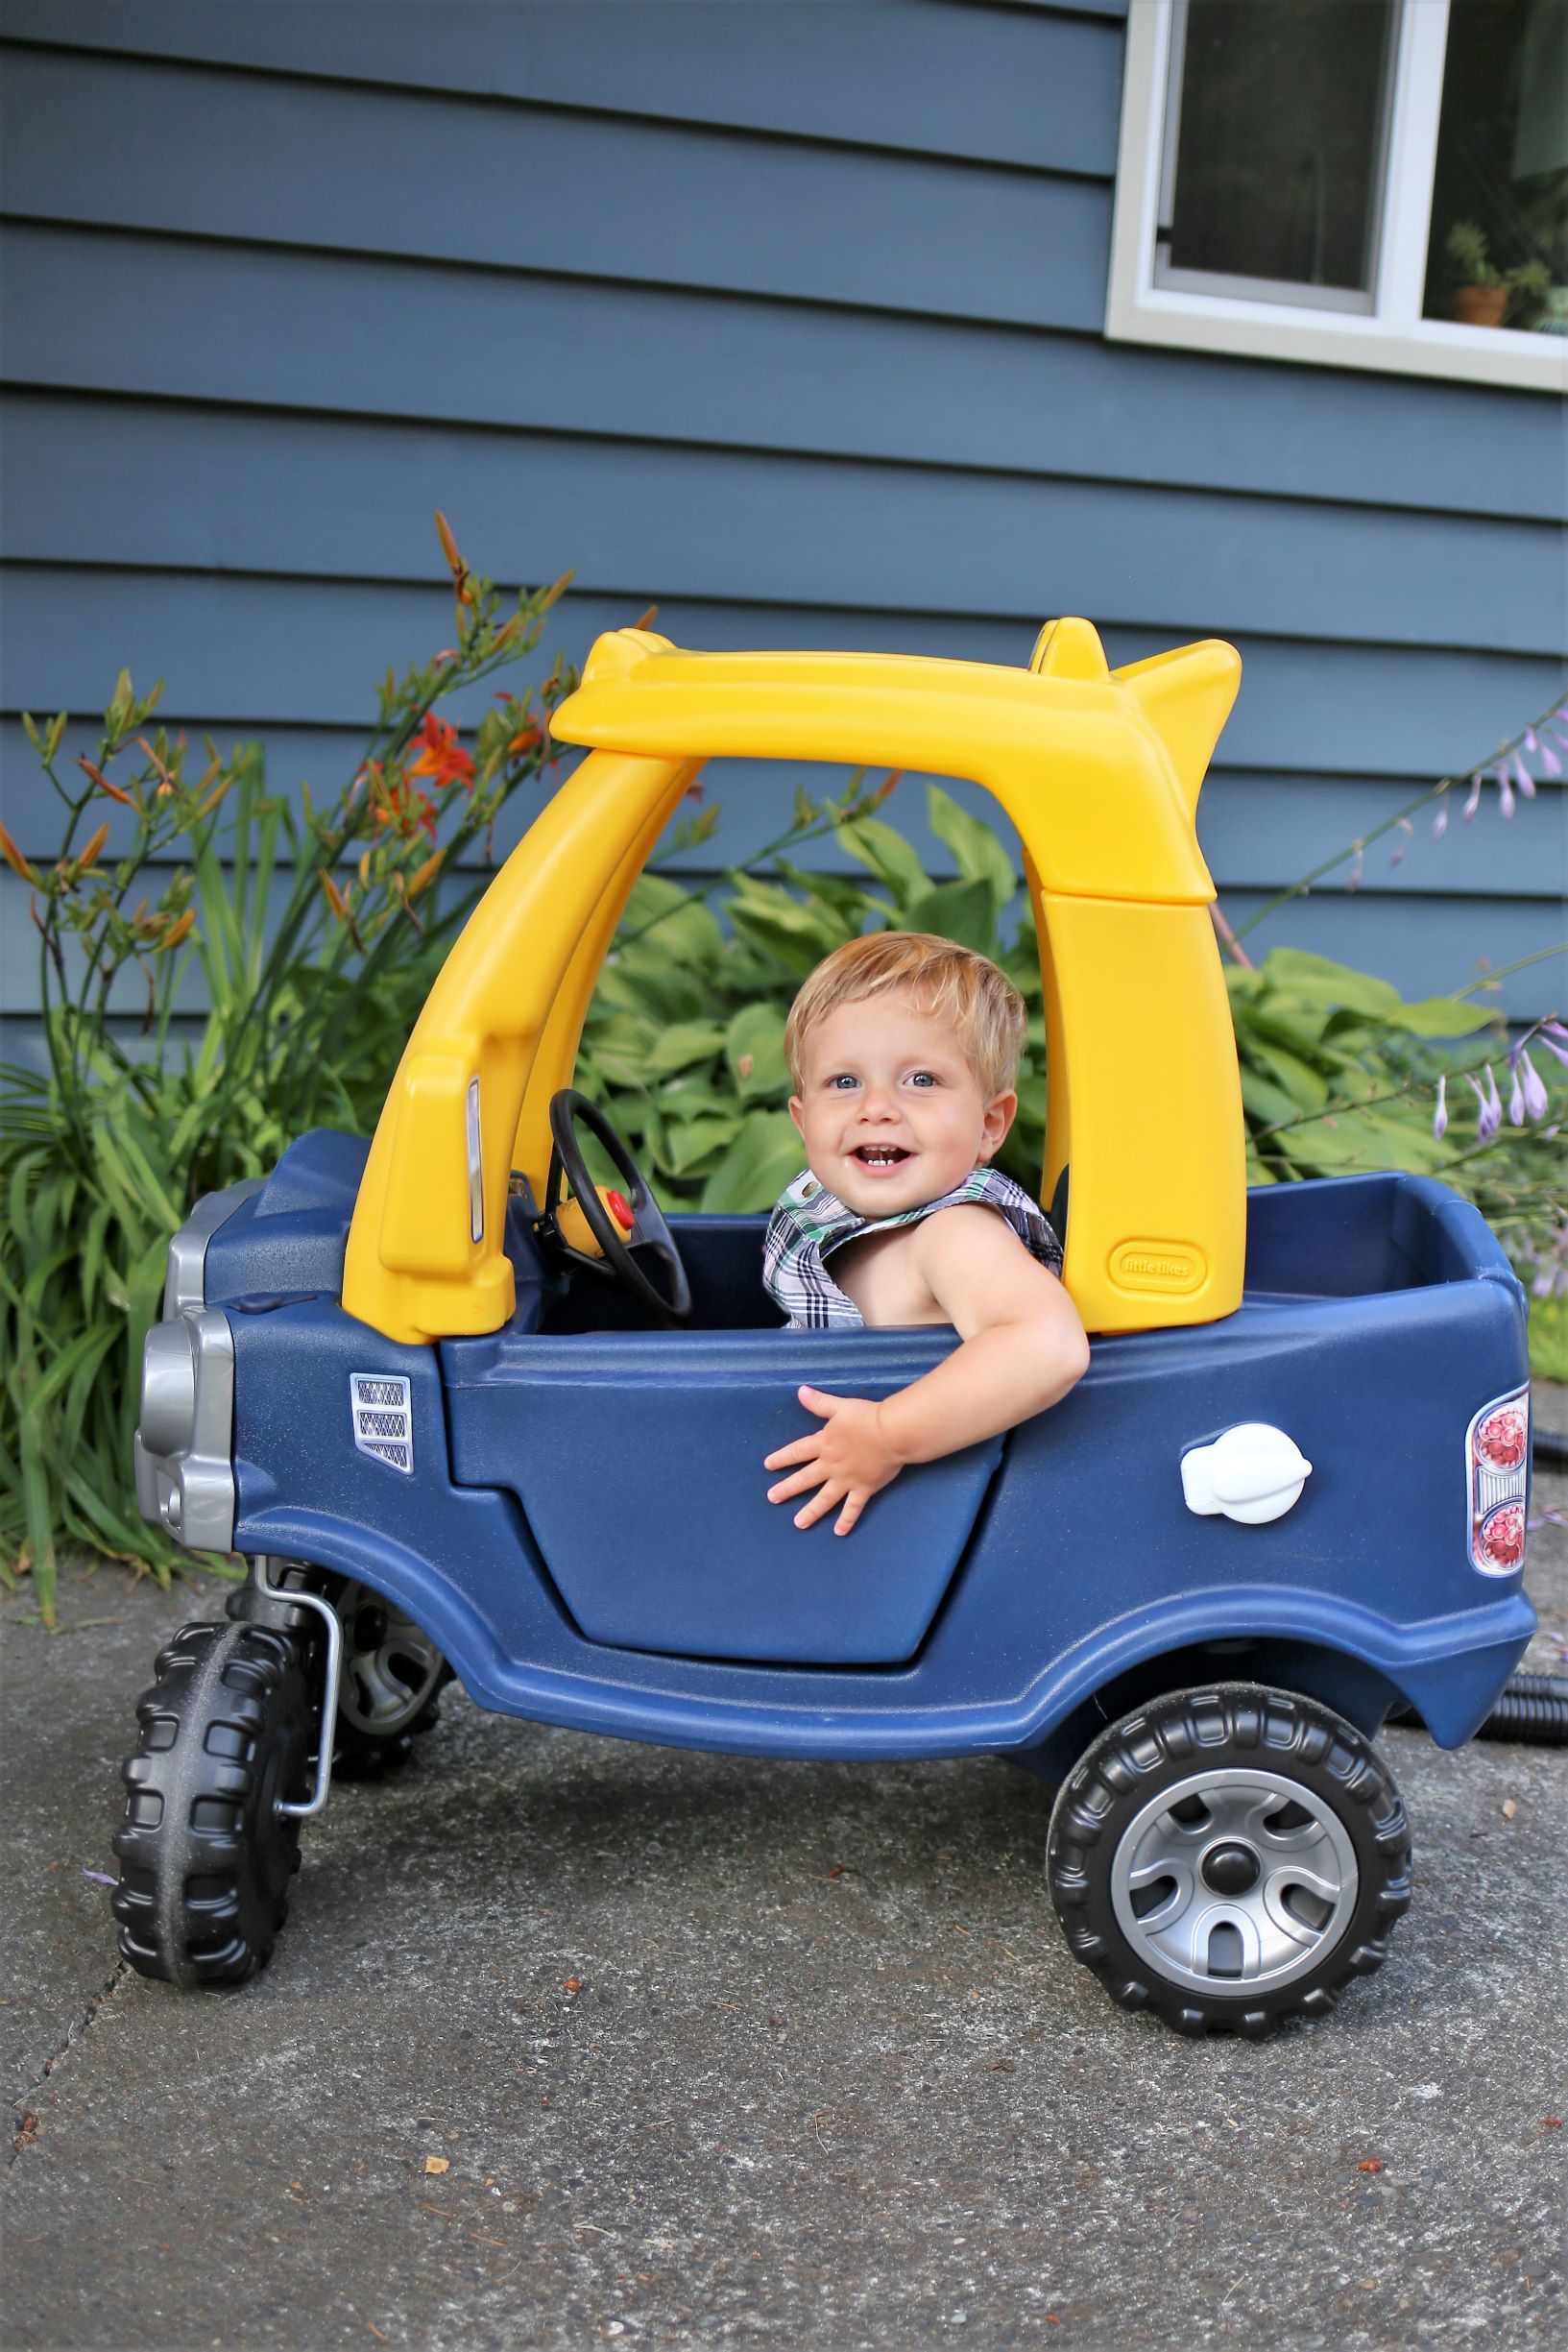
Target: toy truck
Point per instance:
(462, 1410)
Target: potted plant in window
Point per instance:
(1481, 295)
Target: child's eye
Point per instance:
(922, 1078)
(843, 1079)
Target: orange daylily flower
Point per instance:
(440, 756)
(401, 804)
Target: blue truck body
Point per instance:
(581, 1522)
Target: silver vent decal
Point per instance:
(383, 1411)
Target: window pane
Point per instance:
(1498, 253)
(1279, 142)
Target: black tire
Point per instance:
(1286, 1789)
(392, 1677)
(205, 1857)
(369, 1755)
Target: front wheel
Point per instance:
(1228, 1857)
(206, 1857)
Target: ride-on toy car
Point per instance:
(456, 1403)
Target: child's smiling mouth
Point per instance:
(879, 1155)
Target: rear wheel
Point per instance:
(1229, 1857)
(388, 1696)
(206, 1857)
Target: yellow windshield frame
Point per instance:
(1098, 770)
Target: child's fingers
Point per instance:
(818, 1400)
(832, 1493)
(848, 1514)
(799, 1484)
(803, 1449)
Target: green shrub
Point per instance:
(317, 933)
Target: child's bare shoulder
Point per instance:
(977, 1264)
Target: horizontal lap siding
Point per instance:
(786, 318)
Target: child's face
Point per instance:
(890, 1110)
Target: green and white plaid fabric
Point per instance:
(809, 1223)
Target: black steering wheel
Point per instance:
(672, 1304)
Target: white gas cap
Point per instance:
(1254, 1472)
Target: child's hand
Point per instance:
(849, 1458)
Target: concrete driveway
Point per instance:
(571, 2042)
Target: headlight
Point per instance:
(168, 1388)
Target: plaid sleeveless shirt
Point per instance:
(810, 1223)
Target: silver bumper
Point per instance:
(184, 1445)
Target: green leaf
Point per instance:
(964, 911)
(683, 1043)
(754, 1049)
(1441, 1016)
(765, 1157)
(1317, 980)
(980, 854)
(885, 852)
(689, 1147)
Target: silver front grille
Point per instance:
(383, 1412)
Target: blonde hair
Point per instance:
(962, 989)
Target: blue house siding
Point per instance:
(784, 317)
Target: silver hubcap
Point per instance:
(390, 1668)
(1234, 1879)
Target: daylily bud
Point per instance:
(172, 938)
(95, 775)
(13, 858)
(449, 545)
(91, 853)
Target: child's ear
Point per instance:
(999, 1113)
(797, 1112)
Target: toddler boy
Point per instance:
(903, 1050)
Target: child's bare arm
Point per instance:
(1024, 1348)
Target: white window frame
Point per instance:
(1390, 335)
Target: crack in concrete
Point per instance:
(27, 2121)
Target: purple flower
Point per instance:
(1516, 1101)
(1439, 823)
(1353, 880)
(1405, 831)
(1474, 801)
(1505, 790)
(1554, 765)
(1535, 1100)
(1439, 1119)
(1491, 1115)
(1549, 1031)
(1527, 781)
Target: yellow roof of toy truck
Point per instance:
(1100, 771)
